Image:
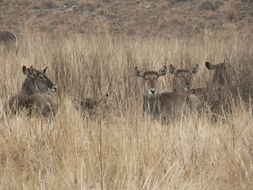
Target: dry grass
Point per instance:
(230, 10)
(119, 148)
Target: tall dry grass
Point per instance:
(119, 148)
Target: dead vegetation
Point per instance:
(118, 147)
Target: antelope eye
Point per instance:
(41, 76)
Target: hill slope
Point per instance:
(167, 18)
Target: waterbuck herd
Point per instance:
(183, 98)
(37, 92)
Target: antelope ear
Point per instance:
(28, 71)
(138, 73)
(162, 71)
(210, 66)
(44, 70)
(25, 70)
(195, 69)
(172, 69)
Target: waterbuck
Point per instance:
(163, 105)
(182, 78)
(35, 95)
(8, 41)
(223, 86)
(91, 105)
(182, 82)
(223, 74)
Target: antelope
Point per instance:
(8, 41)
(182, 78)
(89, 105)
(182, 82)
(219, 79)
(222, 84)
(222, 74)
(35, 94)
(163, 105)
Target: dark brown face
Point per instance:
(182, 78)
(151, 78)
(38, 80)
(220, 70)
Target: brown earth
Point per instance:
(166, 18)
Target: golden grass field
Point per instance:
(118, 147)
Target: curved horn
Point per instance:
(138, 73)
(195, 69)
(162, 71)
(172, 69)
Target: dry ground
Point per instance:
(166, 18)
(118, 148)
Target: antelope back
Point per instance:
(36, 103)
(8, 41)
(7, 37)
